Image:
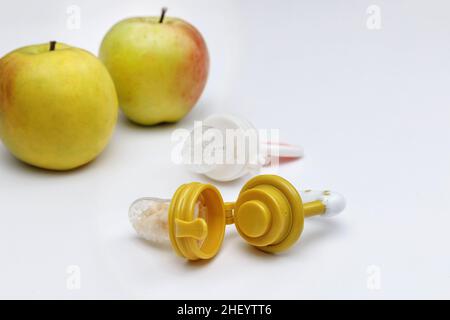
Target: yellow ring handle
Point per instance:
(185, 230)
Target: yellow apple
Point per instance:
(159, 66)
(58, 105)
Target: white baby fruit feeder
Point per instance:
(226, 147)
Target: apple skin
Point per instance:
(159, 69)
(58, 108)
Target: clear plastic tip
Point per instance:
(149, 217)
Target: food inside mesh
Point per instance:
(149, 217)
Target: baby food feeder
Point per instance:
(269, 214)
(205, 142)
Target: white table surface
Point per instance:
(370, 107)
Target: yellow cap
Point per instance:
(269, 213)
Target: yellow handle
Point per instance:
(229, 212)
(314, 208)
(197, 229)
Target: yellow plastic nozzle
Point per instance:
(251, 212)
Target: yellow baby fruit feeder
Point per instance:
(269, 214)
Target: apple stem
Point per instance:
(163, 14)
(52, 45)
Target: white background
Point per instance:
(370, 107)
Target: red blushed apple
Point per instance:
(159, 66)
